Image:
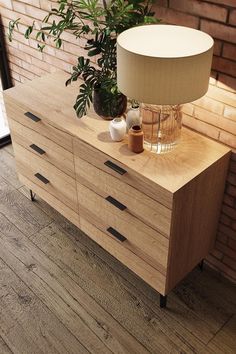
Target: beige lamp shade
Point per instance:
(164, 64)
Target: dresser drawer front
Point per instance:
(14, 112)
(114, 189)
(122, 172)
(47, 176)
(43, 147)
(143, 269)
(142, 240)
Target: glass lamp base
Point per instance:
(161, 126)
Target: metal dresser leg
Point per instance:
(32, 195)
(163, 301)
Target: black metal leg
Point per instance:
(201, 264)
(163, 301)
(32, 195)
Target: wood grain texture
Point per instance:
(138, 204)
(196, 208)
(16, 112)
(51, 200)
(61, 186)
(54, 153)
(142, 240)
(85, 319)
(26, 324)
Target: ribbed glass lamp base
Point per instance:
(161, 126)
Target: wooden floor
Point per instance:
(61, 293)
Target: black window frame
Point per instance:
(4, 75)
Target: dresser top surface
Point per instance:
(48, 98)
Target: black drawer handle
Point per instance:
(114, 167)
(116, 234)
(32, 116)
(116, 203)
(41, 178)
(37, 149)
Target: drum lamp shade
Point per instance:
(164, 64)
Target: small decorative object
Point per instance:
(108, 105)
(133, 116)
(161, 126)
(117, 129)
(163, 66)
(135, 139)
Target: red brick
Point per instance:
(224, 219)
(20, 54)
(232, 166)
(200, 126)
(227, 82)
(217, 254)
(217, 47)
(232, 243)
(216, 120)
(232, 17)
(227, 231)
(233, 225)
(60, 64)
(210, 105)
(175, 17)
(218, 30)
(224, 65)
(230, 262)
(225, 250)
(19, 7)
(6, 3)
(221, 237)
(231, 190)
(229, 51)
(35, 12)
(200, 8)
(222, 95)
(224, 2)
(223, 268)
(22, 72)
(231, 178)
(231, 212)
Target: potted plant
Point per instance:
(100, 23)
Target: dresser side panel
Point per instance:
(196, 210)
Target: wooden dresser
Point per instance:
(157, 214)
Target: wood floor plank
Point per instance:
(225, 339)
(108, 288)
(4, 349)
(21, 211)
(9, 148)
(79, 312)
(27, 326)
(8, 169)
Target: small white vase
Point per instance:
(133, 117)
(117, 129)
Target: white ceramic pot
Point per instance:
(133, 117)
(117, 129)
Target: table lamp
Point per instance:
(162, 67)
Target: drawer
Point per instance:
(149, 274)
(135, 202)
(117, 169)
(37, 123)
(48, 177)
(43, 147)
(139, 238)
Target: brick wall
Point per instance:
(213, 115)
